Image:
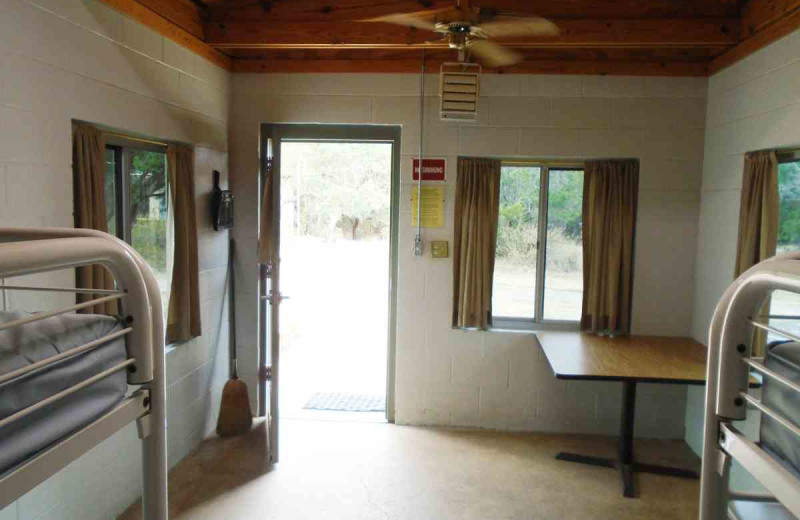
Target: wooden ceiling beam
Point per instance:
(617, 9)
(701, 54)
(163, 26)
(184, 13)
(632, 68)
(315, 10)
(758, 14)
(348, 10)
(574, 33)
(780, 27)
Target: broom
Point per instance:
(235, 416)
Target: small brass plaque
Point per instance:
(439, 249)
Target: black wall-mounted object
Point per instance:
(221, 206)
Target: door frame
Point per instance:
(270, 138)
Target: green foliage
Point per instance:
(565, 202)
(149, 238)
(517, 230)
(789, 192)
(148, 178)
(517, 227)
(337, 185)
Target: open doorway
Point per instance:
(327, 326)
(335, 223)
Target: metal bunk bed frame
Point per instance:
(728, 370)
(34, 250)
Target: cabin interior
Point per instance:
(419, 193)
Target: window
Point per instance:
(538, 273)
(137, 206)
(785, 303)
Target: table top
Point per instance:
(651, 359)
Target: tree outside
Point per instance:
(148, 203)
(337, 189)
(517, 243)
(146, 176)
(783, 302)
(789, 194)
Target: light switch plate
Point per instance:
(440, 249)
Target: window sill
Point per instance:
(525, 327)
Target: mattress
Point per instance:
(22, 346)
(784, 359)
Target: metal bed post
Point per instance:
(153, 427)
(728, 372)
(713, 488)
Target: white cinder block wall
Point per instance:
(77, 59)
(491, 379)
(752, 105)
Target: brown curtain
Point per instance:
(758, 220)
(610, 194)
(183, 316)
(265, 238)
(476, 213)
(758, 216)
(88, 174)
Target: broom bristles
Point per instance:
(235, 416)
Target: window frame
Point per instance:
(783, 157)
(122, 148)
(538, 322)
(121, 194)
(788, 156)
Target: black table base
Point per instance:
(625, 462)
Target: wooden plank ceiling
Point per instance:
(647, 37)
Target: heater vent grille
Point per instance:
(460, 90)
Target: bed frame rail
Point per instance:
(26, 251)
(728, 371)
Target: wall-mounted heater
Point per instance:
(459, 89)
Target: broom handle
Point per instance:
(232, 309)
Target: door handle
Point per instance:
(274, 298)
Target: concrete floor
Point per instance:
(366, 471)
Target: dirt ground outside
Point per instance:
(334, 326)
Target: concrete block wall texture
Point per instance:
(77, 59)
(500, 380)
(752, 105)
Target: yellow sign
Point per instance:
(432, 206)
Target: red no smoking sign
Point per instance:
(432, 169)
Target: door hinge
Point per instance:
(265, 373)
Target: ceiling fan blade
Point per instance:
(439, 41)
(494, 55)
(418, 21)
(509, 26)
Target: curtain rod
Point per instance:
(137, 139)
(534, 162)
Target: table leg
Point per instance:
(625, 462)
(625, 447)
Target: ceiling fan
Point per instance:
(471, 30)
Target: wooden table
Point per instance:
(631, 360)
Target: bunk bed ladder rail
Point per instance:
(728, 371)
(33, 250)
